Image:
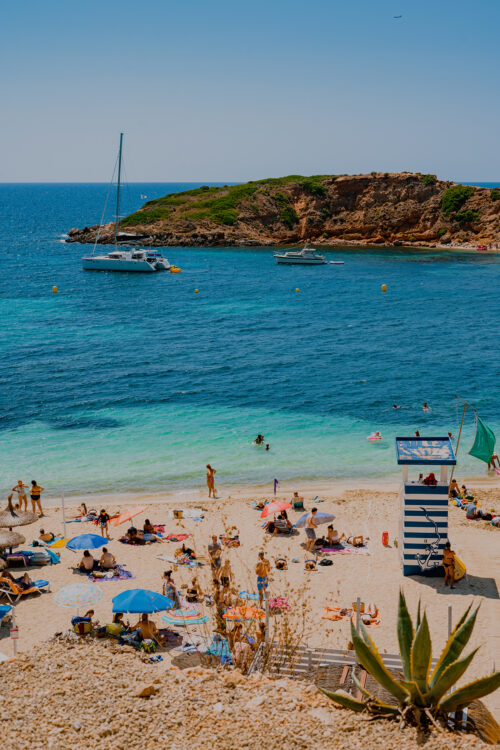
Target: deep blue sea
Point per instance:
(123, 382)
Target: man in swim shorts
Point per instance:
(311, 527)
(262, 569)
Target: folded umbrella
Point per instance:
(141, 601)
(87, 541)
(319, 518)
(275, 506)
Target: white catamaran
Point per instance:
(119, 259)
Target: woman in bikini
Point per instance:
(36, 492)
(212, 492)
(21, 488)
(449, 565)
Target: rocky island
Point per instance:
(371, 209)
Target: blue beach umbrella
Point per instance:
(319, 518)
(140, 601)
(87, 541)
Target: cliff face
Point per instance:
(374, 209)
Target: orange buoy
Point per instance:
(384, 287)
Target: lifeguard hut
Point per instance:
(423, 529)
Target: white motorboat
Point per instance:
(135, 259)
(305, 257)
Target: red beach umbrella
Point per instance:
(127, 515)
(275, 506)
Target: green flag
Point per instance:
(484, 444)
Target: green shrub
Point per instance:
(386, 174)
(289, 217)
(426, 695)
(495, 194)
(373, 174)
(429, 179)
(442, 231)
(466, 217)
(145, 217)
(325, 213)
(281, 199)
(454, 198)
(313, 187)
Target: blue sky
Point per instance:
(242, 90)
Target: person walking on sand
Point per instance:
(262, 569)
(215, 552)
(311, 527)
(21, 488)
(103, 522)
(36, 492)
(212, 492)
(449, 565)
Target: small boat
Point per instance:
(482, 247)
(136, 259)
(336, 262)
(305, 257)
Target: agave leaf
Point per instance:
(421, 655)
(471, 692)
(362, 689)
(418, 615)
(405, 635)
(369, 657)
(345, 700)
(448, 678)
(462, 619)
(454, 646)
(416, 696)
(379, 707)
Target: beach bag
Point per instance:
(114, 629)
(177, 513)
(326, 562)
(148, 646)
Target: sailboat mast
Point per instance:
(118, 188)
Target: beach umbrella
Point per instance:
(11, 517)
(244, 613)
(127, 515)
(141, 601)
(275, 506)
(319, 518)
(87, 541)
(10, 539)
(78, 595)
(184, 617)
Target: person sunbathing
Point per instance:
(284, 517)
(146, 628)
(24, 582)
(46, 536)
(194, 593)
(310, 565)
(107, 561)
(281, 563)
(87, 563)
(298, 502)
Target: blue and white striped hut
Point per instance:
(424, 507)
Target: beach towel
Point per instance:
(123, 575)
(176, 537)
(246, 595)
(345, 549)
(159, 528)
(193, 513)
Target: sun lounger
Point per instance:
(13, 592)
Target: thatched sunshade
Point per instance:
(10, 539)
(11, 517)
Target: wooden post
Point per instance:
(358, 614)
(458, 439)
(450, 627)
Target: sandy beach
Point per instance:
(375, 577)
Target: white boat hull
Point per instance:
(103, 263)
(300, 261)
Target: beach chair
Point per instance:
(5, 614)
(13, 592)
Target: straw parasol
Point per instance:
(9, 539)
(10, 517)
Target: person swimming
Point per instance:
(259, 440)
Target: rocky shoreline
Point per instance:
(76, 694)
(374, 210)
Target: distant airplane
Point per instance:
(397, 16)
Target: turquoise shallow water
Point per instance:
(128, 382)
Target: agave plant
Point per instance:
(424, 696)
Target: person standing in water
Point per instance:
(212, 492)
(36, 492)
